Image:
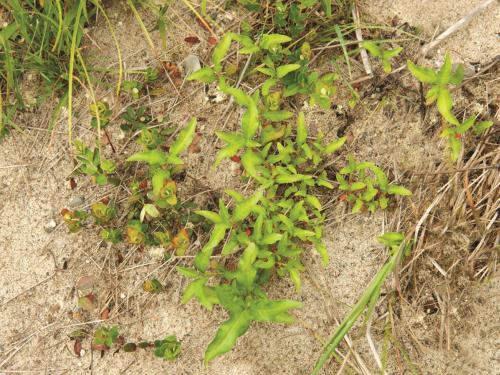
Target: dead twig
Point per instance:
(460, 24)
(359, 37)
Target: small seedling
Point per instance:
(133, 88)
(103, 213)
(152, 286)
(135, 119)
(168, 348)
(440, 93)
(101, 114)
(91, 164)
(439, 82)
(384, 56)
(104, 338)
(74, 219)
(367, 185)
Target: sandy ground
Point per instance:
(39, 270)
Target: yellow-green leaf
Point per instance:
(227, 334)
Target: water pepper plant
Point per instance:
(265, 234)
(252, 237)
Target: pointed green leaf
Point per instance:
(268, 85)
(321, 249)
(220, 51)
(389, 54)
(301, 129)
(245, 207)
(275, 116)
(482, 126)
(444, 74)
(335, 145)
(272, 311)
(227, 334)
(268, 41)
(203, 258)
(421, 73)
(458, 76)
(398, 190)
(210, 215)
(205, 75)
(184, 138)
(250, 161)
(372, 47)
(271, 238)
(445, 105)
(152, 157)
(283, 70)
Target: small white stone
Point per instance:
(123, 296)
(191, 64)
(50, 226)
(156, 252)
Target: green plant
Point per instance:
(383, 55)
(105, 337)
(91, 164)
(266, 233)
(133, 88)
(168, 348)
(74, 219)
(440, 93)
(288, 72)
(152, 286)
(439, 82)
(366, 184)
(101, 114)
(135, 118)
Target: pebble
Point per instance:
(191, 64)
(157, 252)
(50, 226)
(76, 201)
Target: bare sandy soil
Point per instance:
(39, 268)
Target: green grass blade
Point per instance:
(344, 49)
(72, 67)
(364, 302)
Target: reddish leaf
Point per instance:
(77, 348)
(143, 185)
(85, 282)
(105, 314)
(236, 158)
(194, 147)
(172, 69)
(212, 41)
(100, 347)
(248, 232)
(181, 242)
(72, 183)
(192, 40)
